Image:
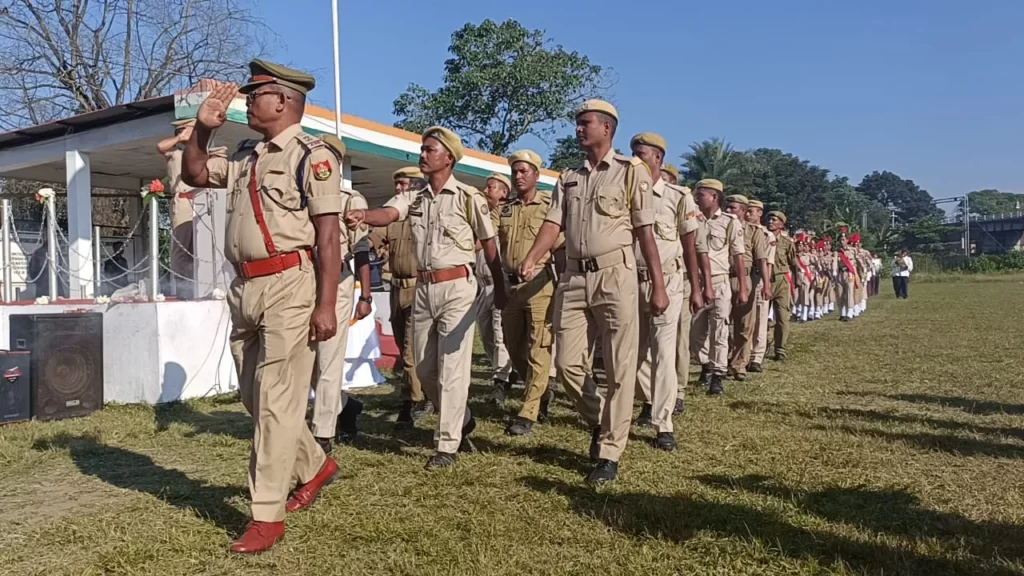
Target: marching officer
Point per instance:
(488, 318)
(448, 218)
(710, 337)
(670, 174)
(527, 316)
(755, 211)
(397, 236)
(782, 281)
(278, 309)
(601, 206)
(329, 369)
(754, 272)
(675, 228)
(849, 279)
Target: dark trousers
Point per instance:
(899, 286)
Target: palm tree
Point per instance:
(713, 158)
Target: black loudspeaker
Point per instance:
(15, 386)
(67, 362)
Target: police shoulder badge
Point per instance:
(506, 211)
(322, 170)
(644, 185)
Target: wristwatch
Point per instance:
(367, 299)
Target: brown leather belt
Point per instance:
(187, 195)
(270, 266)
(446, 275)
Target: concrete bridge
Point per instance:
(993, 233)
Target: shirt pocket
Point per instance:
(666, 229)
(611, 202)
(279, 192)
(717, 239)
(454, 231)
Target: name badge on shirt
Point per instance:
(415, 213)
(569, 184)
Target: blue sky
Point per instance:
(931, 90)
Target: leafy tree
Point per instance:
(909, 200)
(714, 158)
(986, 202)
(501, 83)
(566, 154)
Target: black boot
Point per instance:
(468, 425)
(545, 403)
(755, 368)
(325, 444)
(605, 471)
(705, 376)
(424, 408)
(405, 420)
(499, 391)
(715, 388)
(519, 427)
(679, 408)
(665, 441)
(595, 444)
(644, 419)
(347, 428)
(441, 460)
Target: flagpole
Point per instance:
(337, 72)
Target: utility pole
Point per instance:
(967, 226)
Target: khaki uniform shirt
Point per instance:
(401, 257)
(445, 224)
(357, 240)
(754, 247)
(276, 161)
(724, 240)
(675, 215)
(772, 245)
(785, 255)
(181, 207)
(518, 225)
(851, 255)
(596, 211)
(483, 271)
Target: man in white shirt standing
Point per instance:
(902, 266)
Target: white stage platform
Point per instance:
(156, 352)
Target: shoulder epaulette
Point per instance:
(681, 189)
(309, 141)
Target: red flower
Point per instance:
(156, 187)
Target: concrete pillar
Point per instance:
(135, 250)
(346, 173)
(80, 257)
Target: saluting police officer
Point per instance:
(754, 272)
(278, 309)
(675, 227)
(710, 338)
(602, 206)
(527, 316)
(334, 412)
(448, 218)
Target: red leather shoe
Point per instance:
(258, 537)
(305, 495)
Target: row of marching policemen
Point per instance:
(614, 258)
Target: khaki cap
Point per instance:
(650, 139)
(447, 138)
(263, 72)
(597, 106)
(335, 143)
(756, 204)
(528, 156)
(737, 199)
(777, 214)
(671, 170)
(184, 123)
(501, 178)
(710, 183)
(408, 172)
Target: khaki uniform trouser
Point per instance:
(329, 368)
(401, 327)
(526, 321)
(488, 322)
(274, 358)
(782, 299)
(759, 346)
(743, 326)
(600, 304)
(847, 297)
(709, 339)
(803, 293)
(443, 321)
(657, 382)
(182, 248)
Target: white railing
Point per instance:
(959, 219)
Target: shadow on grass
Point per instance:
(545, 454)
(237, 425)
(132, 471)
(969, 405)
(889, 511)
(679, 518)
(947, 443)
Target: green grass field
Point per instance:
(891, 445)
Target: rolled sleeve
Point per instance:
(358, 239)
(556, 212)
(483, 227)
(759, 248)
(643, 207)
(217, 170)
(736, 244)
(401, 203)
(701, 241)
(686, 215)
(324, 196)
